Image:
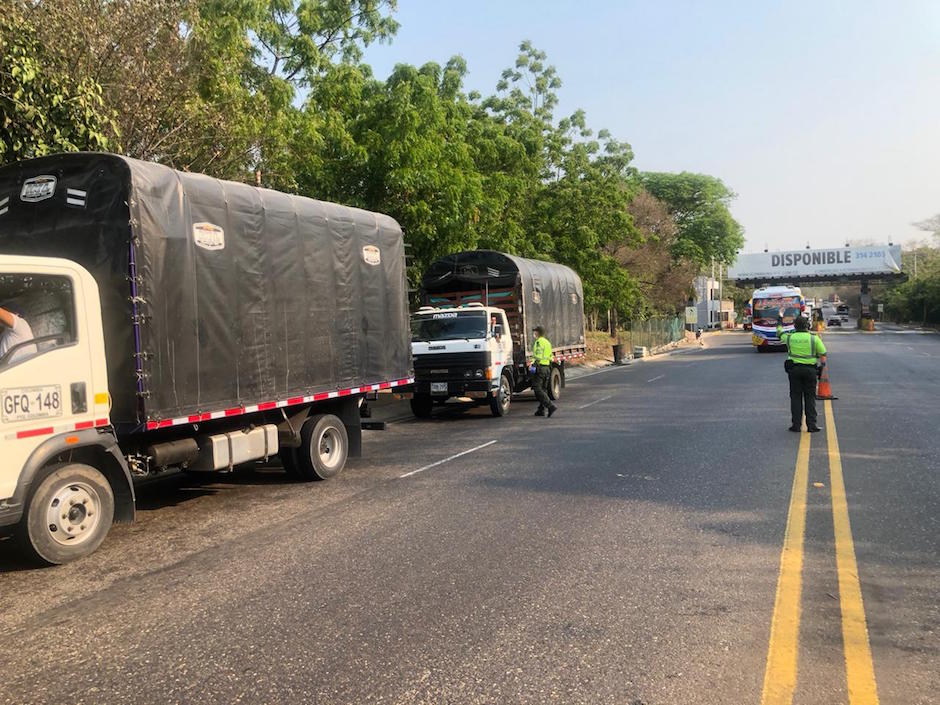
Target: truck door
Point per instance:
(46, 383)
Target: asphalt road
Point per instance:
(632, 549)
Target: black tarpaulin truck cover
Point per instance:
(215, 294)
(552, 295)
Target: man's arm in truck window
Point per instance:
(7, 318)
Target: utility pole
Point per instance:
(721, 290)
(711, 306)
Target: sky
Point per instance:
(824, 117)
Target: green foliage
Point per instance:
(43, 109)
(918, 299)
(699, 204)
(276, 88)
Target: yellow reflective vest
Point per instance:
(803, 347)
(542, 351)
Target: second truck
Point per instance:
(473, 336)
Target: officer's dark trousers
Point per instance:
(543, 373)
(803, 393)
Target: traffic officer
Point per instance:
(542, 364)
(806, 353)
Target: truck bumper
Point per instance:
(456, 388)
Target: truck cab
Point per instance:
(62, 477)
(463, 351)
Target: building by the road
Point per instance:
(711, 310)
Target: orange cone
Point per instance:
(824, 389)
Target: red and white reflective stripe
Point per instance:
(61, 428)
(569, 356)
(268, 405)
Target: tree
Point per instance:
(699, 204)
(664, 280)
(300, 40)
(918, 299)
(44, 108)
(405, 153)
(210, 85)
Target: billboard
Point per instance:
(795, 265)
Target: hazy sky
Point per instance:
(823, 116)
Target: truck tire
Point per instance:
(324, 447)
(422, 405)
(554, 384)
(499, 403)
(68, 515)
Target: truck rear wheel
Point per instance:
(68, 516)
(324, 447)
(554, 384)
(500, 401)
(422, 405)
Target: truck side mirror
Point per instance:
(497, 330)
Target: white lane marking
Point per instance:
(655, 378)
(446, 460)
(609, 368)
(596, 401)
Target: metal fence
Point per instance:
(651, 333)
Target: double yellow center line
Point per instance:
(780, 676)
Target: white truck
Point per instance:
(179, 322)
(473, 338)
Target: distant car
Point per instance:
(835, 322)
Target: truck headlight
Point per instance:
(467, 373)
(478, 373)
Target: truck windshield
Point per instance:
(448, 325)
(767, 310)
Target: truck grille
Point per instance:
(450, 364)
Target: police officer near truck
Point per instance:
(806, 356)
(541, 368)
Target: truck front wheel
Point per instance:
(324, 447)
(422, 405)
(68, 516)
(502, 397)
(554, 384)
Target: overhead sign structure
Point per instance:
(844, 263)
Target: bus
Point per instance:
(766, 304)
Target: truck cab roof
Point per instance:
(473, 307)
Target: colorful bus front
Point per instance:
(766, 305)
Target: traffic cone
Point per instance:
(824, 389)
